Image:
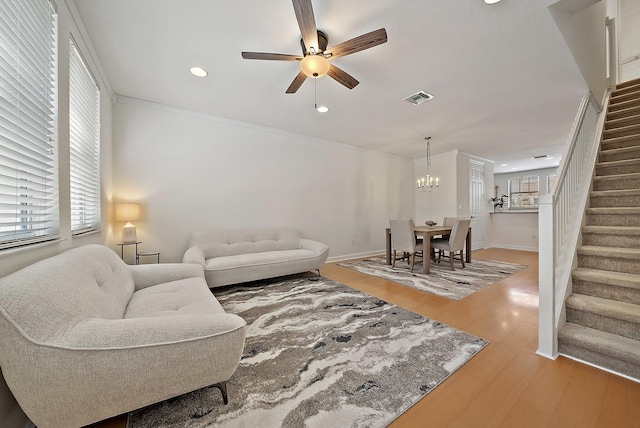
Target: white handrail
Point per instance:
(560, 219)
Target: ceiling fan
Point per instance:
(315, 58)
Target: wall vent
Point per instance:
(418, 98)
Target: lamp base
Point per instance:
(129, 234)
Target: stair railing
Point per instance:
(560, 217)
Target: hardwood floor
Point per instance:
(506, 384)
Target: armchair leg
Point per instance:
(222, 386)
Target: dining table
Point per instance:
(426, 233)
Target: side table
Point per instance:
(147, 254)
(124, 244)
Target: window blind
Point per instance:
(84, 136)
(28, 131)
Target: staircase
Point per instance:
(603, 313)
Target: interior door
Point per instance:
(476, 183)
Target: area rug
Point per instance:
(320, 354)
(442, 281)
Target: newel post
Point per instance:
(547, 331)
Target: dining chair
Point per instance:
(403, 239)
(454, 243)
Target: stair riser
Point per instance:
(629, 368)
(621, 132)
(613, 144)
(627, 94)
(621, 114)
(617, 155)
(602, 262)
(613, 220)
(623, 105)
(603, 323)
(619, 184)
(602, 240)
(614, 201)
(622, 122)
(630, 168)
(606, 291)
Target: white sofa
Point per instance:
(235, 256)
(86, 337)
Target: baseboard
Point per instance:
(514, 247)
(601, 368)
(355, 256)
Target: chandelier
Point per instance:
(426, 184)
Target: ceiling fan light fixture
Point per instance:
(315, 66)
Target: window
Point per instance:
(523, 192)
(28, 137)
(84, 140)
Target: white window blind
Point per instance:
(84, 136)
(28, 122)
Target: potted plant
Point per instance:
(499, 201)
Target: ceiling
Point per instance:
(504, 83)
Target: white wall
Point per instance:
(191, 172)
(583, 29)
(441, 201)
(452, 198)
(10, 413)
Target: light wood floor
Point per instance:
(506, 384)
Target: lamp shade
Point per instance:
(315, 66)
(127, 212)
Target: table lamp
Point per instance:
(128, 212)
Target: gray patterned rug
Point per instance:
(320, 354)
(441, 281)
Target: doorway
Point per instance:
(477, 203)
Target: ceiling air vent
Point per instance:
(541, 157)
(418, 98)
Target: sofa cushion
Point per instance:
(258, 259)
(79, 284)
(222, 243)
(186, 296)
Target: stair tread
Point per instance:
(612, 230)
(618, 279)
(614, 210)
(635, 117)
(627, 83)
(616, 252)
(615, 193)
(610, 308)
(633, 127)
(621, 139)
(614, 177)
(602, 342)
(618, 150)
(623, 112)
(619, 162)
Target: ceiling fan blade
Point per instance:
(270, 56)
(307, 23)
(297, 82)
(342, 77)
(359, 43)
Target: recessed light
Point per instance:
(504, 164)
(199, 72)
(491, 1)
(323, 109)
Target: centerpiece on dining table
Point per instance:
(431, 223)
